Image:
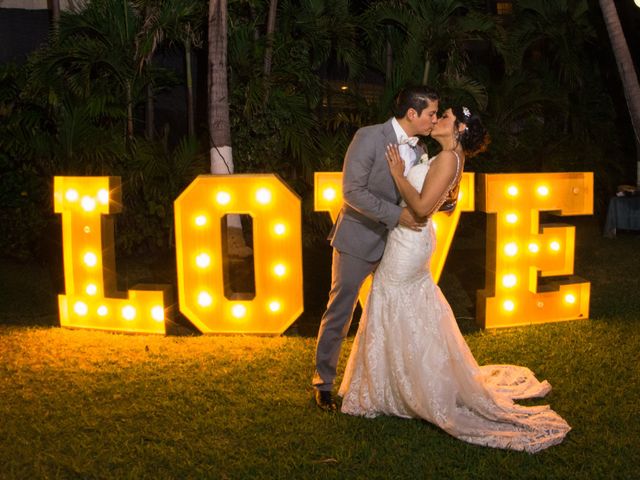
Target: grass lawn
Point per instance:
(85, 404)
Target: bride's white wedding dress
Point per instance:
(410, 360)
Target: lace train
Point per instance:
(410, 360)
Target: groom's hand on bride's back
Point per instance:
(407, 219)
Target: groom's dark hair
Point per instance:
(413, 97)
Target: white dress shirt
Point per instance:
(407, 153)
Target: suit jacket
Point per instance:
(371, 198)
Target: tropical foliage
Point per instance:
(81, 104)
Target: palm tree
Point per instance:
(625, 68)
(429, 40)
(174, 21)
(221, 154)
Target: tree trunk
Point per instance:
(129, 110)
(191, 122)
(626, 69)
(389, 63)
(271, 27)
(54, 6)
(219, 127)
(150, 114)
(427, 67)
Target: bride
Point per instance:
(409, 358)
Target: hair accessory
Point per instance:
(466, 112)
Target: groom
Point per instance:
(369, 211)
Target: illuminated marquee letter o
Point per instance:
(277, 246)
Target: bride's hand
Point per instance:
(396, 164)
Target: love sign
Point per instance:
(519, 251)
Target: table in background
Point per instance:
(623, 214)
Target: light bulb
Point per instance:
(129, 312)
(157, 313)
(223, 198)
(203, 260)
(204, 299)
(239, 311)
(263, 196)
(329, 194)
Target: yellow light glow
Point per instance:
(128, 312)
(203, 260)
(88, 204)
(204, 299)
(511, 218)
(103, 196)
(274, 306)
(543, 190)
(444, 224)
(201, 220)
(90, 259)
(329, 194)
(238, 311)
(570, 298)
(223, 198)
(88, 242)
(277, 240)
(157, 313)
(263, 196)
(279, 229)
(279, 270)
(80, 308)
(509, 281)
(515, 280)
(510, 249)
(72, 195)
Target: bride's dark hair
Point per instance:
(474, 138)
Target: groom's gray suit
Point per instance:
(358, 238)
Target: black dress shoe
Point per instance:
(325, 401)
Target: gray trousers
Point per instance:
(347, 276)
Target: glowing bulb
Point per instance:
(570, 298)
(204, 299)
(329, 194)
(511, 218)
(91, 289)
(279, 269)
(223, 198)
(86, 229)
(510, 249)
(239, 311)
(279, 229)
(103, 196)
(90, 259)
(157, 313)
(263, 196)
(201, 220)
(88, 204)
(129, 312)
(274, 306)
(203, 260)
(508, 305)
(509, 280)
(534, 248)
(71, 195)
(512, 190)
(102, 310)
(543, 190)
(555, 246)
(80, 308)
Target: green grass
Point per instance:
(86, 404)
